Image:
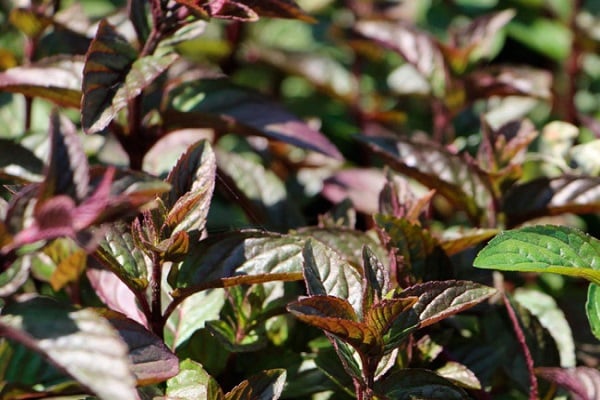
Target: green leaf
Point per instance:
(77, 341)
(407, 384)
(546, 248)
(233, 341)
(266, 385)
(18, 162)
(236, 258)
(423, 257)
(416, 47)
(436, 300)
(375, 279)
(192, 182)
(107, 63)
(15, 275)
(228, 108)
(326, 273)
(193, 382)
(552, 196)
(70, 261)
(451, 175)
(68, 171)
(118, 253)
(57, 79)
(548, 37)
(592, 308)
(263, 188)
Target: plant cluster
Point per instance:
(235, 199)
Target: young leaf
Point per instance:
(237, 258)
(552, 196)
(546, 248)
(79, 342)
(56, 79)
(417, 48)
(451, 175)
(192, 182)
(193, 382)
(436, 301)
(267, 385)
(414, 383)
(592, 308)
(375, 281)
(230, 108)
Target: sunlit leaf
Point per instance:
(263, 188)
(266, 385)
(77, 341)
(592, 308)
(509, 81)
(192, 182)
(193, 382)
(277, 9)
(557, 249)
(67, 172)
(455, 241)
(220, 105)
(152, 361)
(15, 275)
(108, 61)
(375, 280)
(239, 257)
(417, 48)
(460, 375)
(549, 37)
(436, 300)
(582, 382)
(326, 273)
(414, 383)
(552, 196)
(56, 79)
(29, 21)
(361, 186)
(422, 256)
(382, 315)
(449, 174)
(70, 261)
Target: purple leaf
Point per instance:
(582, 382)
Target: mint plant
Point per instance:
(240, 199)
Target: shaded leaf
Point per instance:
(416, 383)
(139, 18)
(375, 280)
(232, 340)
(436, 301)
(29, 21)
(230, 108)
(18, 162)
(238, 257)
(107, 63)
(592, 308)
(266, 385)
(152, 361)
(277, 9)
(67, 172)
(582, 382)
(449, 174)
(361, 186)
(508, 81)
(263, 188)
(417, 48)
(193, 382)
(422, 256)
(552, 196)
(192, 182)
(15, 275)
(547, 248)
(455, 241)
(79, 342)
(56, 79)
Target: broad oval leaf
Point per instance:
(436, 300)
(192, 182)
(238, 257)
(56, 79)
(266, 385)
(80, 342)
(152, 361)
(544, 248)
(552, 196)
(193, 382)
(414, 383)
(107, 63)
(220, 105)
(417, 48)
(451, 175)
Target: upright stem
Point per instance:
(157, 320)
